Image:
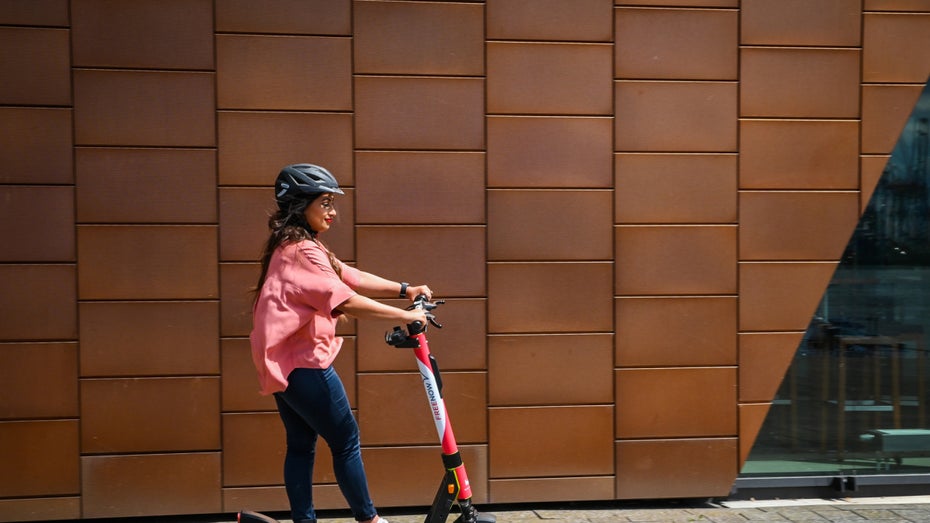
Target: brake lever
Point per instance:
(421, 303)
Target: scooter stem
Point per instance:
(450, 450)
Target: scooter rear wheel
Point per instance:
(247, 516)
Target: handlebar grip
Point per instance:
(416, 327)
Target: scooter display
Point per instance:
(454, 487)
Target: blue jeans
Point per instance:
(313, 404)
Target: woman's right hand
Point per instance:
(415, 315)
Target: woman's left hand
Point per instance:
(415, 290)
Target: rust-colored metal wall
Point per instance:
(633, 208)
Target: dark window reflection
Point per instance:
(855, 399)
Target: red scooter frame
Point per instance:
(454, 486)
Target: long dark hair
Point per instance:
(290, 226)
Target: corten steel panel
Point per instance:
(751, 418)
(35, 65)
(318, 17)
(675, 116)
(40, 380)
(871, 171)
(594, 488)
(48, 450)
(799, 154)
(896, 48)
(393, 408)
(580, 20)
(274, 498)
(672, 259)
(419, 113)
(143, 34)
(145, 185)
(549, 78)
(677, 44)
(532, 441)
(162, 338)
(780, 296)
(451, 259)
(801, 225)
(36, 145)
(897, 5)
(659, 332)
(262, 72)
(254, 146)
(459, 345)
(35, 12)
(538, 151)
(564, 369)
(254, 447)
(150, 414)
(237, 284)
(681, 3)
(675, 188)
(38, 302)
(144, 108)
(395, 187)
(244, 214)
(799, 22)
(550, 225)
(763, 360)
(41, 509)
(147, 485)
(407, 476)
(147, 262)
(676, 402)
(550, 297)
(885, 110)
(674, 468)
(802, 83)
(239, 380)
(29, 217)
(418, 38)
(268, 499)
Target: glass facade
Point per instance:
(855, 398)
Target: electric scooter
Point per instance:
(454, 486)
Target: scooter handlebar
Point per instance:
(422, 303)
(401, 339)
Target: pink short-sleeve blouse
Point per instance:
(295, 316)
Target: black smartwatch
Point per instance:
(403, 289)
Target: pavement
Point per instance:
(905, 509)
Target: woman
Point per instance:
(302, 292)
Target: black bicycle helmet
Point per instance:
(301, 181)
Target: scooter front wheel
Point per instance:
(478, 517)
(471, 515)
